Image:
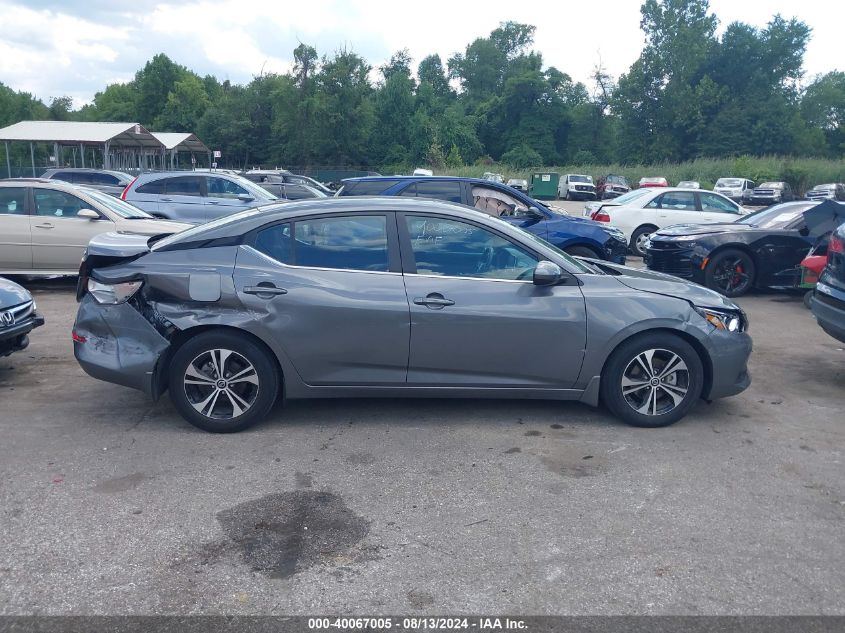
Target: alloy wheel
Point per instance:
(221, 384)
(730, 275)
(655, 381)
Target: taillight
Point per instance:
(123, 195)
(78, 338)
(836, 245)
(601, 216)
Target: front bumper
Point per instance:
(616, 251)
(116, 344)
(729, 352)
(829, 311)
(757, 201)
(15, 338)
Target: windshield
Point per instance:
(617, 180)
(631, 195)
(824, 187)
(199, 229)
(116, 205)
(729, 182)
(770, 185)
(580, 179)
(777, 217)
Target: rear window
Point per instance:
(154, 187)
(366, 187)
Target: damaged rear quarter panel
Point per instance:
(182, 290)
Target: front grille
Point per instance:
(664, 258)
(16, 314)
(764, 193)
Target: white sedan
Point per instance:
(641, 212)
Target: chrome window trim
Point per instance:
(509, 281)
(295, 267)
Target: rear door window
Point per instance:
(275, 242)
(104, 179)
(65, 176)
(348, 242)
(12, 200)
(183, 186)
(678, 200)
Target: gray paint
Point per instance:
(354, 333)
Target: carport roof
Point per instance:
(117, 134)
(180, 141)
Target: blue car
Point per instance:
(576, 236)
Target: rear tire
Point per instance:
(730, 272)
(638, 239)
(223, 382)
(637, 388)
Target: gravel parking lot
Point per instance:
(111, 504)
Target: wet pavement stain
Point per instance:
(532, 434)
(420, 599)
(513, 450)
(303, 480)
(282, 534)
(572, 462)
(121, 484)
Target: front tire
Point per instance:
(582, 251)
(730, 272)
(223, 382)
(652, 380)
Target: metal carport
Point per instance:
(123, 145)
(175, 142)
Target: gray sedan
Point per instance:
(399, 298)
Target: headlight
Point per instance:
(113, 293)
(728, 320)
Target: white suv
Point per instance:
(641, 212)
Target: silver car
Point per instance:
(394, 297)
(45, 225)
(195, 197)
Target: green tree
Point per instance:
(153, 84)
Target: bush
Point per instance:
(522, 157)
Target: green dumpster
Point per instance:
(544, 185)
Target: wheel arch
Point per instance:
(701, 350)
(737, 246)
(160, 374)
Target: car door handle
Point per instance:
(212, 202)
(269, 290)
(46, 225)
(435, 301)
(165, 199)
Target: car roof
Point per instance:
(94, 170)
(237, 224)
(44, 182)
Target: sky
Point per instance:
(53, 48)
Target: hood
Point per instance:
(658, 283)
(151, 227)
(702, 229)
(11, 294)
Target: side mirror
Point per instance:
(88, 214)
(535, 212)
(547, 274)
(245, 197)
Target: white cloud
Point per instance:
(77, 47)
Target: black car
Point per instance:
(828, 300)
(17, 317)
(762, 249)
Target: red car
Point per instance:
(654, 182)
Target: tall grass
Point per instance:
(800, 173)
